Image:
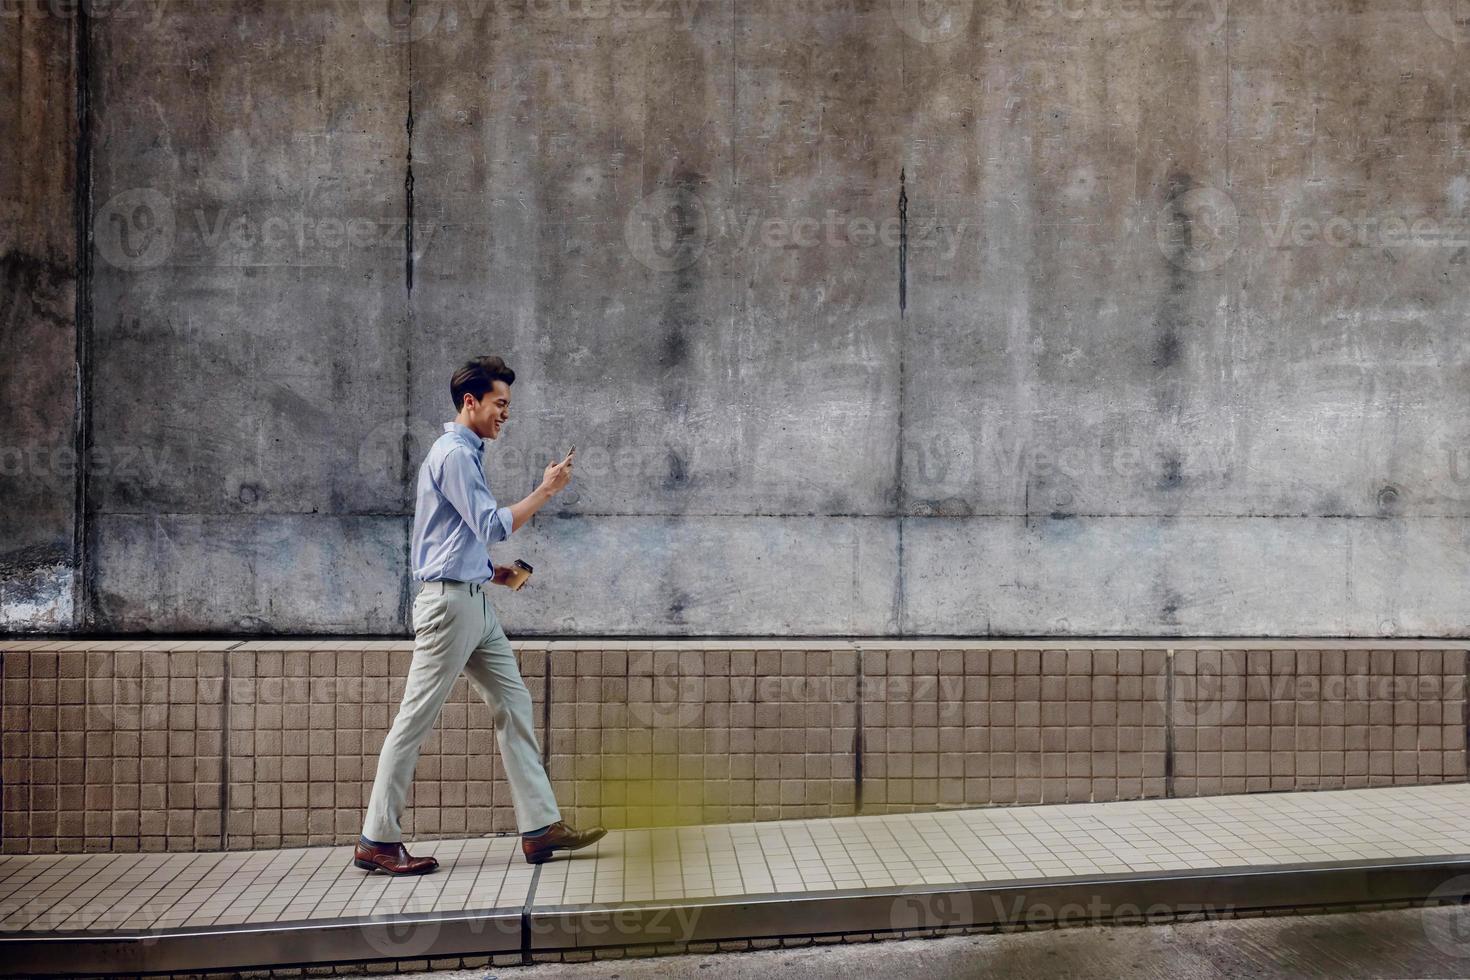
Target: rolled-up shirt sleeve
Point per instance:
(462, 482)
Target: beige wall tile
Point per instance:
(123, 747)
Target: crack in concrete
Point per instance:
(82, 570)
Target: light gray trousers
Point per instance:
(455, 629)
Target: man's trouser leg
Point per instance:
(447, 623)
(493, 671)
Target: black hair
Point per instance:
(477, 377)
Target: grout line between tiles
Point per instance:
(546, 712)
(163, 911)
(1465, 712)
(526, 915)
(1169, 723)
(226, 761)
(57, 900)
(857, 734)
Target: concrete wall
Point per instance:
(869, 317)
(38, 294)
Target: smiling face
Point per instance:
(487, 416)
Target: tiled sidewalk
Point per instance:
(104, 892)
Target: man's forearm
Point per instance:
(523, 510)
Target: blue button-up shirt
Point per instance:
(455, 519)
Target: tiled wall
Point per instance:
(662, 736)
(112, 749)
(306, 726)
(1254, 720)
(970, 727)
(129, 746)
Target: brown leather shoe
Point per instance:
(391, 859)
(557, 837)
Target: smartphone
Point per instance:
(520, 575)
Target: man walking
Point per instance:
(455, 629)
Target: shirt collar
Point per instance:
(465, 435)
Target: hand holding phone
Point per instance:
(558, 475)
(518, 575)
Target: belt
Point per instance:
(442, 586)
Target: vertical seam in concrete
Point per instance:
(903, 206)
(225, 758)
(408, 257)
(1229, 184)
(857, 734)
(734, 102)
(405, 591)
(903, 243)
(82, 316)
(1169, 723)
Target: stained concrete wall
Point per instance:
(868, 316)
(38, 336)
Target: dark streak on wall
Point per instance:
(82, 214)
